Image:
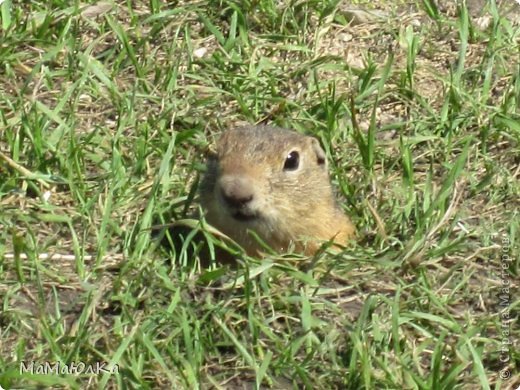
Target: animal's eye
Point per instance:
(292, 161)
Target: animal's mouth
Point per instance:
(244, 215)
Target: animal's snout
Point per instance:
(237, 191)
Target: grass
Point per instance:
(105, 113)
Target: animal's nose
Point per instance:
(237, 192)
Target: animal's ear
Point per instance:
(321, 157)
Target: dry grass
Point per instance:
(105, 113)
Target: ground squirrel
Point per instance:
(274, 182)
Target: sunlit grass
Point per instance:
(106, 112)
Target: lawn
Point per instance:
(106, 112)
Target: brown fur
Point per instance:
(246, 177)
